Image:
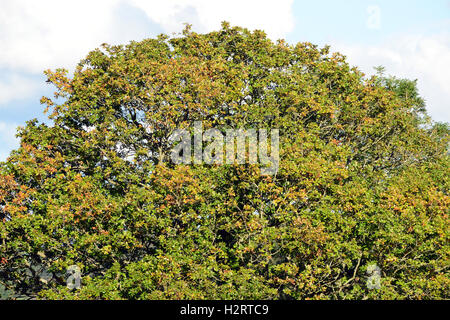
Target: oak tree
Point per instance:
(362, 180)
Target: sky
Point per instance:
(410, 38)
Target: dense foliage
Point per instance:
(363, 179)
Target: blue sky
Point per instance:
(411, 38)
(345, 20)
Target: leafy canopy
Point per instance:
(363, 179)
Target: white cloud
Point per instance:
(8, 140)
(36, 35)
(426, 58)
(275, 17)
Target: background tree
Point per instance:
(363, 179)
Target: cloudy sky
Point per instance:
(411, 38)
